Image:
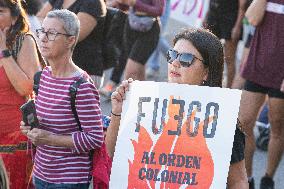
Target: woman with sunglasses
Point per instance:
(196, 59)
(19, 60)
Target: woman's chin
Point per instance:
(174, 80)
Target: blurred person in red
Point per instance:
(16, 82)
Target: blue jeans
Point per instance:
(163, 45)
(40, 184)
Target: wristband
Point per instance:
(118, 115)
(5, 53)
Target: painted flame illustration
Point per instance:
(183, 145)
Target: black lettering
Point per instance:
(165, 176)
(196, 120)
(156, 175)
(173, 176)
(196, 162)
(180, 176)
(180, 161)
(149, 174)
(186, 178)
(171, 159)
(140, 114)
(141, 177)
(178, 117)
(192, 162)
(193, 182)
(152, 158)
(145, 158)
(206, 121)
(163, 159)
(188, 160)
(155, 130)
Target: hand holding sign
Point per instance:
(118, 96)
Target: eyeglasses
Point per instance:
(185, 59)
(51, 35)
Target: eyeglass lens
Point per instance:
(50, 36)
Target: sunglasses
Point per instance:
(185, 59)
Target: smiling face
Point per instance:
(195, 74)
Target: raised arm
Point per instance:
(117, 98)
(44, 10)
(20, 73)
(256, 12)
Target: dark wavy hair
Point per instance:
(21, 25)
(211, 50)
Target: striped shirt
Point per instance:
(61, 164)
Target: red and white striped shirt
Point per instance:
(62, 164)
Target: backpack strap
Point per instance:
(73, 89)
(36, 81)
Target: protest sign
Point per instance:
(189, 12)
(175, 136)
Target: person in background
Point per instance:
(264, 74)
(118, 24)
(32, 7)
(135, 40)
(88, 52)
(132, 59)
(152, 72)
(196, 59)
(62, 158)
(248, 31)
(19, 60)
(224, 19)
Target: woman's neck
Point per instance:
(63, 67)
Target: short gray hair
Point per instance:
(71, 23)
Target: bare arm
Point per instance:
(111, 136)
(117, 98)
(256, 12)
(42, 137)
(21, 73)
(43, 11)
(87, 24)
(236, 31)
(282, 86)
(237, 177)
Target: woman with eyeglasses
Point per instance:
(196, 59)
(63, 148)
(19, 60)
(88, 51)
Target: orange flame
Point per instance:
(184, 145)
